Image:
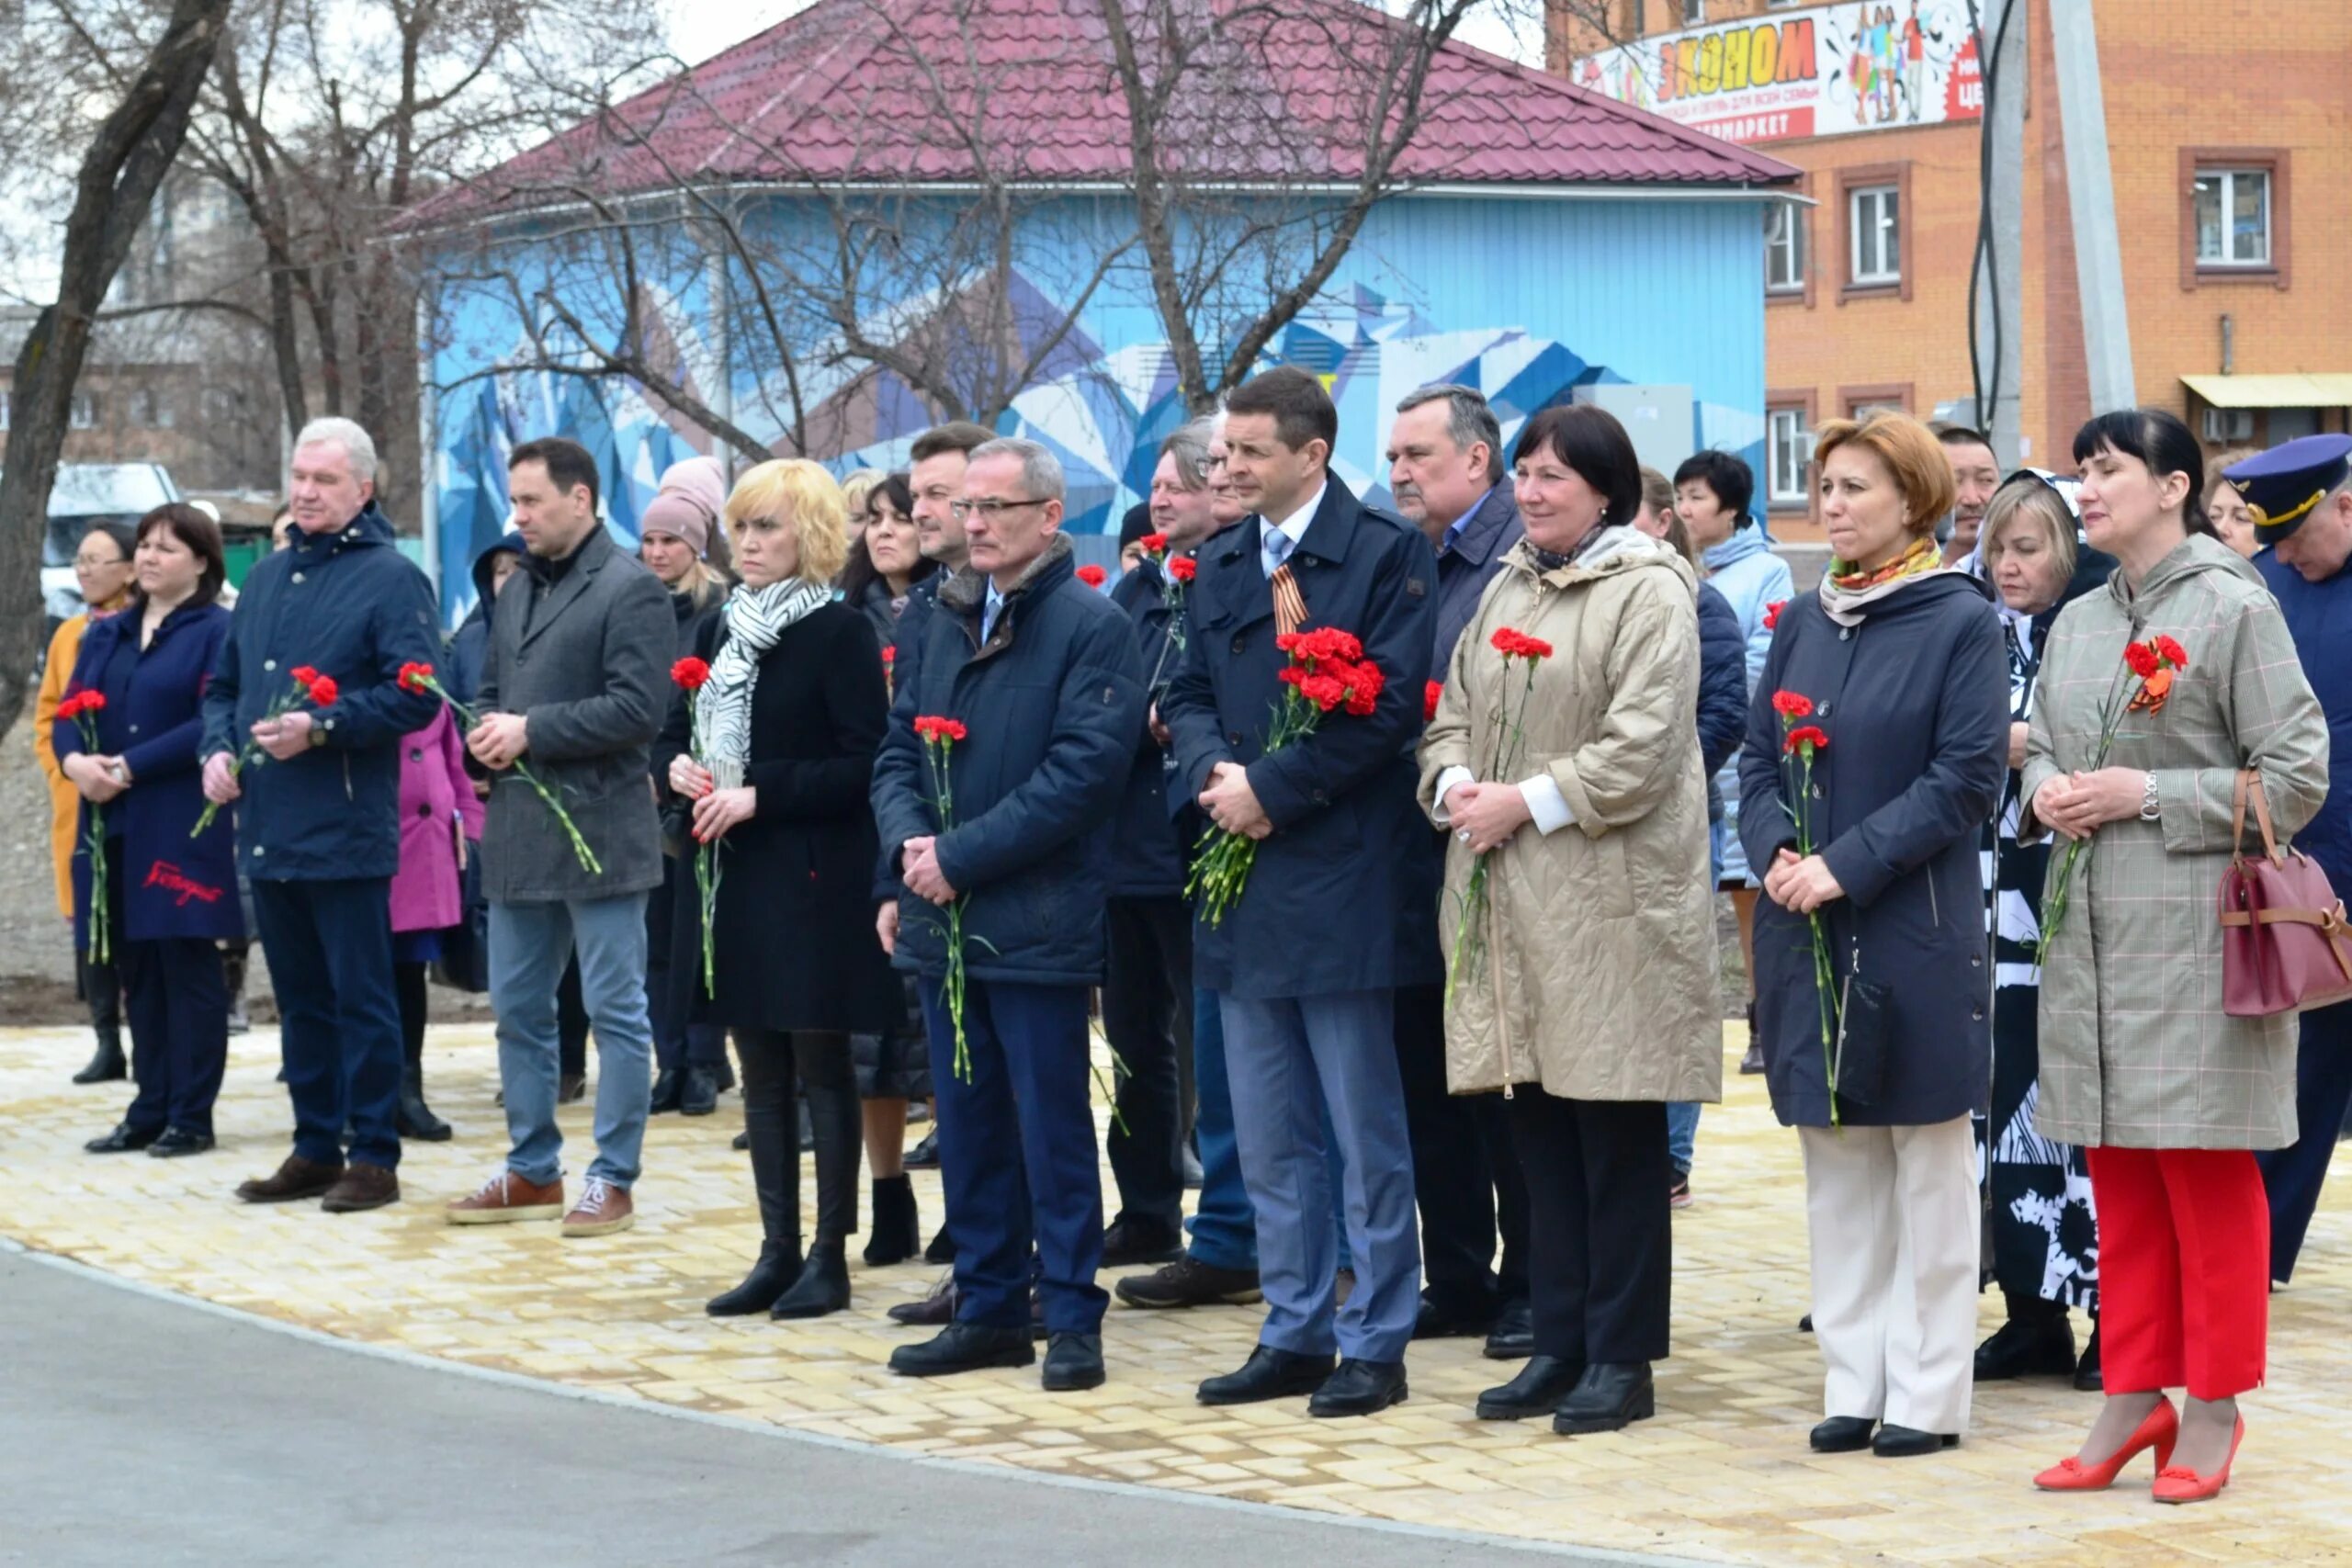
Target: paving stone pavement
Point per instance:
(1722, 1473)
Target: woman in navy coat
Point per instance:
(169, 897)
(1903, 664)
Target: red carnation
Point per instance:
(1772, 613)
(1429, 695)
(2145, 660)
(1363, 683)
(414, 676)
(1092, 575)
(92, 702)
(1324, 691)
(890, 656)
(1184, 568)
(1792, 704)
(1811, 738)
(1291, 674)
(324, 692)
(2174, 654)
(933, 727)
(1153, 544)
(690, 672)
(303, 674)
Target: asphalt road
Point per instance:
(142, 1429)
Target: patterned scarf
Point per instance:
(755, 618)
(1847, 595)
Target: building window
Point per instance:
(1874, 224)
(2233, 217)
(1694, 13)
(84, 412)
(1788, 449)
(1783, 249)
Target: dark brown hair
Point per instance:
(956, 435)
(202, 537)
(567, 462)
(1588, 439)
(1302, 409)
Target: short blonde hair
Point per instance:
(1911, 453)
(855, 487)
(2029, 498)
(805, 493)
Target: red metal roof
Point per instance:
(920, 92)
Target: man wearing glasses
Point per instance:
(1043, 676)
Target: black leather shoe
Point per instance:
(1436, 1320)
(1132, 1243)
(1360, 1388)
(1512, 1338)
(178, 1141)
(942, 1251)
(2027, 1348)
(1268, 1374)
(571, 1088)
(924, 1156)
(699, 1095)
(107, 1066)
(742, 1141)
(1611, 1396)
(411, 1118)
(778, 1267)
(964, 1348)
(1903, 1442)
(1188, 1283)
(1538, 1389)
(125, 1139)
(2089, 1376)
(1073, 1361)
(936, 1310)
(823, 1288)
(667, 1083)
(1843, 1435)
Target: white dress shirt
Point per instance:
(1294, 526)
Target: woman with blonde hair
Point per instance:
(1876, 745)
(2225, 509)
(787, 724)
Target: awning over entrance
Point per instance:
(2326, 390)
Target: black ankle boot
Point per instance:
(772, 1275)
(107, 1066)
(823, 1288)
(897, 1232)
(413, 1118)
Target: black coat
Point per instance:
(350, 606)
(1148, 849)
(1053, 702)
(1916, 701)
(793, 938)
(1722, 690)
(1336, 900)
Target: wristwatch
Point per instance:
(319, 738)
(2150, 807)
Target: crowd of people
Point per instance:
(1391, 841)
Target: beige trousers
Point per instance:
(1892, 1216)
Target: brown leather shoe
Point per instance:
(363, 1186)
(506, 1198)
(602, 1210)
(298, 1178)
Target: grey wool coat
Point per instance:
(586, 662)
(2136, 1051)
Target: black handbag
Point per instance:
(1865, 1035)
(464, 963)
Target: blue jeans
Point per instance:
(1224, 1226)
(1682, 1133)
(1287, 1061)
(529, 946)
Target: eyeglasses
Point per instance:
(94, 562)
(989, 509)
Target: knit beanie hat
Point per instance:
(688, 503)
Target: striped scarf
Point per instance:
(755, 618)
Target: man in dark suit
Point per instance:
(575, 685)
(1305, 960)
(1445, 470)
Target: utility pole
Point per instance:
(2090, 192)
(2000, 280)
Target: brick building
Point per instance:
(2224, 120)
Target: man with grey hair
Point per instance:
(1445, 469)
(1040, 677)
(317, 797)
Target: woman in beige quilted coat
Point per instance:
(2139, 1064)
(1587, 994)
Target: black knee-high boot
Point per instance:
(775, 1182)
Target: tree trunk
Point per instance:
(126, 162)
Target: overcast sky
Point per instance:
(699, 30)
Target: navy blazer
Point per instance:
(173, 886)
(1333, 903)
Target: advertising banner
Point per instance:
(1831, 71)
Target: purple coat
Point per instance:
(435, 793)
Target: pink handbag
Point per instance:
(2284, 942)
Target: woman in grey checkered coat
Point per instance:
(2140, 1064)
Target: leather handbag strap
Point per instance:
(2248, 787)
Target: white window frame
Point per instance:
(1694, 13)
(1874, 213)
(82, 412)
(1784, 483)
(2225, 180)
(1783, 236)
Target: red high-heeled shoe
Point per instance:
(2158, 1429)
(2185, 1485)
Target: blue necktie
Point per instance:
(1275, 550)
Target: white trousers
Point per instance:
(1893, 1215)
